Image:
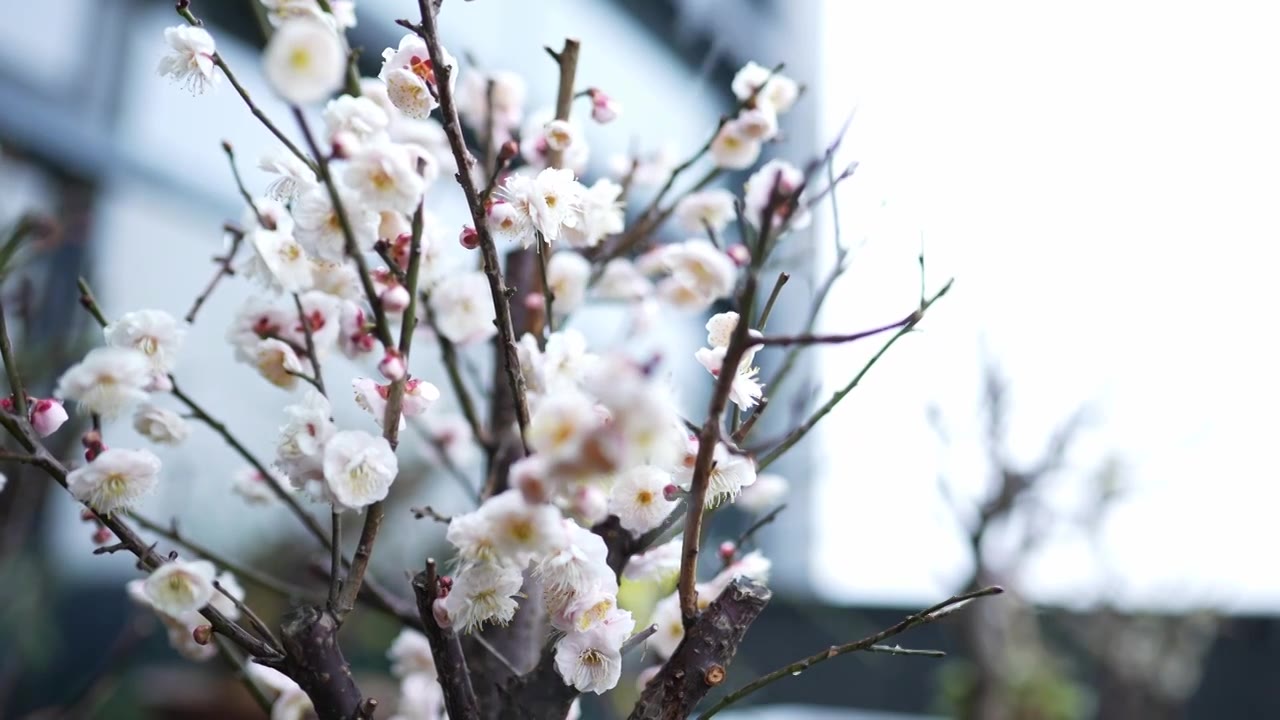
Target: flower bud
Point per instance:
(534, 301)
(47, 416)
(672, 492)
(739, 254)
(508, 151)
(469, 238)
(392, 365)
(440, 613)
(559, 135)
(202, 634)
(102, 536)
(727, 551)
(604, 109)
(395, 299)
(7, 404)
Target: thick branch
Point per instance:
(451, 665)
(315, 662)
(923, 617)
(702, 658)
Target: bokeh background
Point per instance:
(1087, 418)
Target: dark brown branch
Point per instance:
(426, 511)
(925, 616)
(567, 59)
(224, 270)
(835, 339)
(773, 298)
(451, 665)
(489, 250)
(315, 661)
(799, 432)
(702, 659)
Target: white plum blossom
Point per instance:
(765, 494)
(776, 90)
(181, 586)
(421, 698)
(307, 429)
(383, 176)
(546, 203)
(190, 58)
(349, 116)
(279, 261)
(600, 215)
(154, 333)
(656, 564)
(542, 134)
(253, 486)
(293, 176)
(280, 11)
(358, 468)
(578, 562)
(753, 565)
(567, 276)
(746, 390)
(561, 424)
(733, 147)
(410, 654)
(757, 123)
(115, 480)
(521, 530)
(107, 381)
(700, 268)
(730, 473)
(410, 76)
(464, 308)
(591, 661)
(289, 701)
(666, 615)
(697, 211)
(483, 593)
(319, 228)
(620, 280)
(159, 425)
(277, 362)
(304, 60)
(372, 396)
(637, 498)
(474, 537)
(759, 190)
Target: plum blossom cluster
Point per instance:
(764, 94)
(177, 591)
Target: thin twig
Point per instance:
(925, 616)
(426, 511)
(185, 12)
(836, 339)
(773, 298)
(449, 356)
(753, 528)
(17, 390)
(548, 295)
(799, 432)
(224, 269)
(745, 428)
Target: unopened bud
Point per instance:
(604, 109)
(534, 301)
(739, 254)
(446, 584)
(439, 613)
(342, 144)
(202, 634)
(672, 492)
(226, 146)
(728, 550)
(469, 238)
(7, 404)
(392, 365)
(508, 151)
(395, 299)
(47, 416)
(88, 515)
(102, 536)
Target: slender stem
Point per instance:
(16, 388)
(745, 428)
(353, 248)
(923, 617)
(90, 303)
(815, 309)
(244, 192)
(449, 356)
(316, 376)
(191, 19)
(835, 339)
(255, 576)
(236, 666)
(501, 295)
(799, 432)
(224, 269)
(754, 528)
(335, 557)
(548, 296)
(773, 298)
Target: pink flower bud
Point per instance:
(343, 143)
(508, 151)
(728, 550)
(7, 404)
(202, 634)
(47, 416)
(88, 515)
(671, 492)
(446, 584)
(534, 301)
(739, 254)
(469, 238)
(439, 613)
(392, 365)
(604, 109)
(395, 299)
(102, 536)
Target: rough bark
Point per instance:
(314, 660)
(540, 694)
(451, 664)
(702, 659)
